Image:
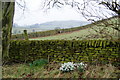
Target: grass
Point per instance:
(104, 71)
(97, 30)
(51, 70)
(67, 36)
(81, 34)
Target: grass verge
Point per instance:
(51, 70)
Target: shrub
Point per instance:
(40, 63)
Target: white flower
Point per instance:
(69, 66)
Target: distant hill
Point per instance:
(48, 26)
(61, 24)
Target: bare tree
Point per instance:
(93, 10)
(113, 5)
(89, 8)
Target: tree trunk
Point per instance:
(7, 21)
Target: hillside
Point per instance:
(48, 26)
(61, 24)
(104, 29)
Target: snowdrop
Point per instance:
(82, 65)
(66, 67)
(70, 66)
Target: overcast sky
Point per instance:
(34, 14)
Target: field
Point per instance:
(78, 35)
(97, 30)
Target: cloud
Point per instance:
(34, 14)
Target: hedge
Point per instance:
(65, 50)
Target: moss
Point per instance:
(63, 50)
